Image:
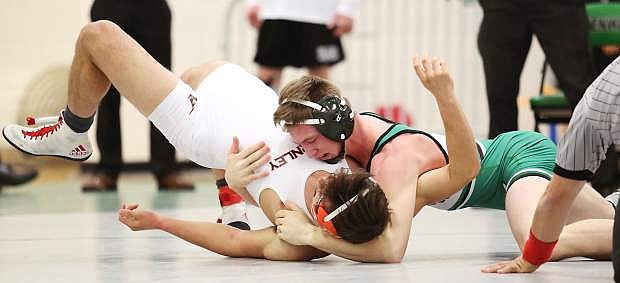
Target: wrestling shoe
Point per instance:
(50, 136)
(233, 209)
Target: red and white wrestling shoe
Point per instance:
(49, 136)
(233, 209)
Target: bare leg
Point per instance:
(588, 238)
(521, 202)
(270, 76)
(195, 75)
(320, 71)
(105, 54)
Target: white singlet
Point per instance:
(232, 102)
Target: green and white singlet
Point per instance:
(504, 160)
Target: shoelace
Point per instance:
(45, 131)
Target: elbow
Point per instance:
(395, 256)
(465, 172)
(471, 171)
(474, 169)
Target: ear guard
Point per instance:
(331, 116)
(321, 216)
(325, 220)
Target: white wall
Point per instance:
(38, 34)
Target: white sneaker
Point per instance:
(235, 215)
(52, 138)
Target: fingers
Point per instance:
(417, 67)
(493, 268)
(129, 206)
(259, 175)
(258, 157)
(426, 65)
(262, 161)
(292, 206)
(280, 214)
(256, 150)
(342, 29)
(501, 267)
(279, 221)
(331, 24)
(338, 31)
(234, 147)
(436, 64)
(507, 269)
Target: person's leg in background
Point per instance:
(319, 49)
(152, 30)
(273, 49)
(109, 143)
(503, 42)
(564, 37)
(271, 76)
(575, 64)
(320, 71)
(108, 120)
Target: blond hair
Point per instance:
(308, 88)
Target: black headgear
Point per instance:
(331, 116)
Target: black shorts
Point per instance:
(287, 43)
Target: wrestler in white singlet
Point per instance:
(232, 102)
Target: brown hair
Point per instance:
(366, 218)
(309, 88)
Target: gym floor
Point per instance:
(51, 232)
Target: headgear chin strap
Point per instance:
(331, 116)
(338, 157)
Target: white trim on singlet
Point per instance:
(523, 171)
(471, 191)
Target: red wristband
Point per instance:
(536, 251)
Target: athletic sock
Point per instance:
(233, 206)
(77, 124)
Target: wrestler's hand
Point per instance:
(137, 219)
(340, 25)
(434, 75)
(293, 226)
(517, 265)
(252, 16)
(242, 166)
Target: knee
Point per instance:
(98, 34)
(195, 75)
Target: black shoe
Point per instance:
(100, 183)
(173, 182)
(12, 175)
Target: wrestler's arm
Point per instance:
(230, 241)
(397, 175)
(464, 163)
(397, 171)
(223, 239)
